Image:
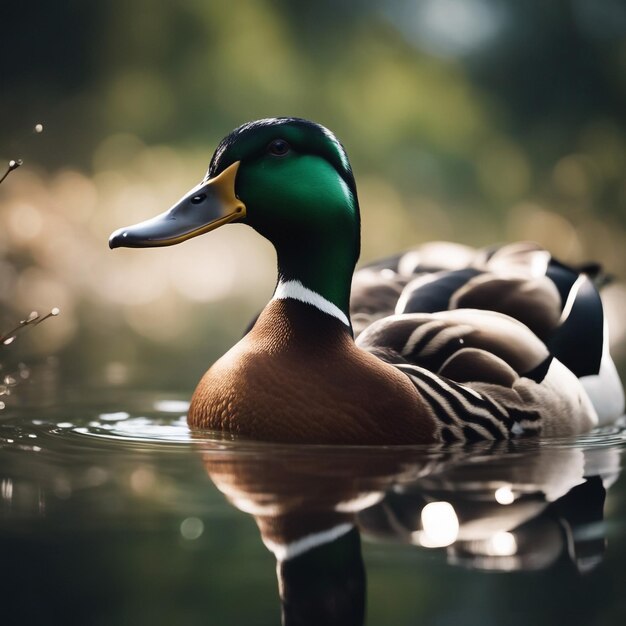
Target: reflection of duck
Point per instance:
(496, 511)
(452, 364)
(304, 502)
(511, 512)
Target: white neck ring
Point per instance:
(295, 290)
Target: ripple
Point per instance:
(144, 419)
(94, 461)
(158, 420)
(141, 429)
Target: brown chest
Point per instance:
(278, 384)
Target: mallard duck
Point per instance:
(494, 344)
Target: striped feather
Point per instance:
(457, 407)
(490, 338)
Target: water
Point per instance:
(113, 512)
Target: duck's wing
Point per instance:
(560, 307)
(484, 374)
(519, 279)
(428, 257)
(375, 294)
(558, 303)
(423, 279)
(378, 286)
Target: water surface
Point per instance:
(112, 512)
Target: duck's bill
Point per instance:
(207, 206)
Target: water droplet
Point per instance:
(55, 311)
(9, 380)
(13, 165)
(39, 128)
(9, 340)
(33, 315)
(2, 405)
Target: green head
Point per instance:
(290, 180)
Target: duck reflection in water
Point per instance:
(522, 510)
(305, 501)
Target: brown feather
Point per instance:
(473, 365)
(499, 334)
(297, 376)
(533, 301)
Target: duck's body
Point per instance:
(437, 304)
(298, 376)
(450, 351)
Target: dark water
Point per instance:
(111, 512)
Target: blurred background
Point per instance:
(477, 121)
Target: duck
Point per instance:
(440, 344)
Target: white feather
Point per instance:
(297, 291)
(605, 388)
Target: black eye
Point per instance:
(278, 147)
(198, 199)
